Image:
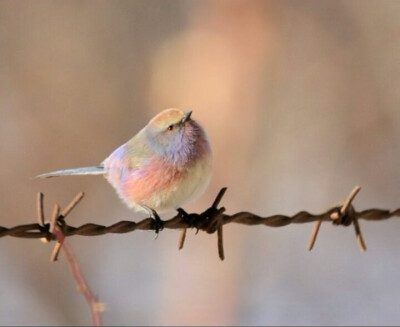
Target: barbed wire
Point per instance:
(211, 220)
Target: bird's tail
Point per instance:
(92, 170)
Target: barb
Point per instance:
(39, 205)
(54, 230)
(182, 239)
(72, 204)
(345, 215)
(209, 221)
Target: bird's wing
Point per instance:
(132, 155)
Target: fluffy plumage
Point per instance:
(165, 165)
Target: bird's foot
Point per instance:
(157, 223)
(191, 219)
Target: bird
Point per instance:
(167, 164)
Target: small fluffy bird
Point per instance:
(164, 166)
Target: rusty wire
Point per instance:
(210, 221)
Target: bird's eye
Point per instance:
(171, 127)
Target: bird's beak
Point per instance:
(186, 117)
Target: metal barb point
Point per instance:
(74, 202)
(53, 230)
(56, 251)
(54, 218)
(182, 239)
(219, 197)
(360, 238)
(40, 213)
(345, 209)
(337, 215)
(314, 234)
(220, 241)
(349, 199)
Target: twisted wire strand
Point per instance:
(211, 220)
(202, 222)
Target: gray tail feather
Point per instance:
(92, 170)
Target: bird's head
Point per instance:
(172, 130)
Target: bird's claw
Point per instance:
(157, 224)
(191, 219)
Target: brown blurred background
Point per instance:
(301, 101)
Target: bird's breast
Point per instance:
(159, 183)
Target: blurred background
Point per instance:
(301, 102)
